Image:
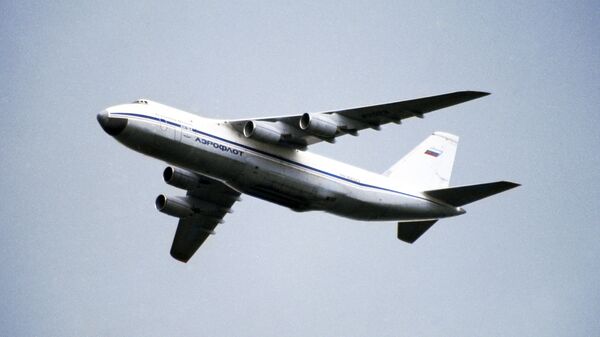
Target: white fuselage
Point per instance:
(296, 179)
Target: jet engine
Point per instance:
(183, 207)
(180, 178)
(318, 125)
(263, 131)
(179, 207)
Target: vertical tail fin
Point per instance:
(429, 165)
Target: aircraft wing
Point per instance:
(299, 131)
(213, 200)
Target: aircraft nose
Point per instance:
(111, 125)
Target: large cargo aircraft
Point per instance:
(216, 161)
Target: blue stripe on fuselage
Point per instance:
(273, 155)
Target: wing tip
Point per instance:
(179, 256)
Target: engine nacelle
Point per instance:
(183, 207)
(180, 178)
(175, 206)
(263, 131)
(318, 125)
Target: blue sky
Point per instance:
(85, 253)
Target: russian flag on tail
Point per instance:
(433, 152)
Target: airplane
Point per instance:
(217, 160)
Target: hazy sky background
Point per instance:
(84, 252)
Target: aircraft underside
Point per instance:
(216, 161)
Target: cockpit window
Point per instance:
(141, 101)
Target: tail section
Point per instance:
(429, 165)
(428, 168)
(410, 231)
(462, 195)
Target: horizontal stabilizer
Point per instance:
(411, 231)
(462, 195)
